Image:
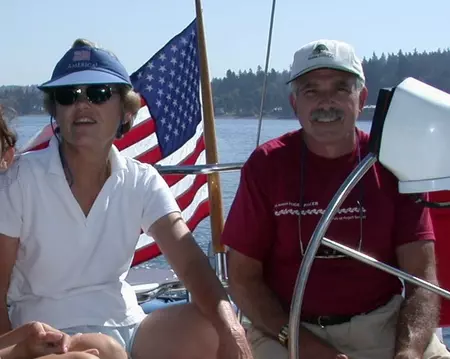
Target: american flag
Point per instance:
(168, 129)
(81, 55)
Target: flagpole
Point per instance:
(215, 194)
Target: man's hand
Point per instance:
(408, 354)
(233, 344)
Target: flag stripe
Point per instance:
(152, 250)
(196, 212)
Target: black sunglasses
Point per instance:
(96, 94)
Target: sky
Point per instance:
(35, 34)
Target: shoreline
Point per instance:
(220, 117)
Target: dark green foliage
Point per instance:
(239, 94)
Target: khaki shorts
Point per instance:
(370, 336)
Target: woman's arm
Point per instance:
(8, 253)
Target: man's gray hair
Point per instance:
(360, 83)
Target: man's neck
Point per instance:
(86, 167)
(332, 150)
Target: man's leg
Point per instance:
(264, 347)
(179, 331)
(436, 349)
(372, 336)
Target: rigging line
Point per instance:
(263, 95)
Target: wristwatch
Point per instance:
(283, 335)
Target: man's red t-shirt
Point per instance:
(441, 224)
(263, 224)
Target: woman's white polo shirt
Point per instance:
(70, 268)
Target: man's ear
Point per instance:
(293, 102)
(363, 98)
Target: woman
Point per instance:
(34, 339)
(78, 208)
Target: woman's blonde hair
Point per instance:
(131, 100)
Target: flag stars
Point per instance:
(170, 85)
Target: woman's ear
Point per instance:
(127, 118)
(7, 159)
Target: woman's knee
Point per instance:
(107, 346)
(185, 325)
(70, 355)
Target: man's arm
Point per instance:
(8, 254)
(419, 314)
(260, 305)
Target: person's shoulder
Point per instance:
(363, 136)
(140, 170)
(276, 150)
(35, 159)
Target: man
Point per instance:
(440, 218)
(70, 219)
(350, 309)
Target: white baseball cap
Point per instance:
(331, 54)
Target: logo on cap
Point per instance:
(320, 50)
(81, 55)
(82, 59)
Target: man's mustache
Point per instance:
(331, 113)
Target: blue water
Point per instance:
(236, 139)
